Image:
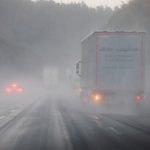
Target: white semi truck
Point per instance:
(112, 69)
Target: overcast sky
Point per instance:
(94, 3)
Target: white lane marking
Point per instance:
(114, 130)
(64, 132)
(2, 117)
(110, 128)
(13, 112)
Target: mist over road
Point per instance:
(52, 124)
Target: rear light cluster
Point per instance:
(138, 99)
(8, 90)
(97, 97)
(14, 88)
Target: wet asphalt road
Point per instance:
(50, 125)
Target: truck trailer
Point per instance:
(112, 69)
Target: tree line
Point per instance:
(36, 34)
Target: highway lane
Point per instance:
(96, 131)
(53, 125)
(12, 106)
(37, 127)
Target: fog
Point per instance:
(36, 35)
(69, 80)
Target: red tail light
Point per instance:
(97, 98)
(138, 99)
(8, 90)
(14, 85)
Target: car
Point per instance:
(14, 88)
